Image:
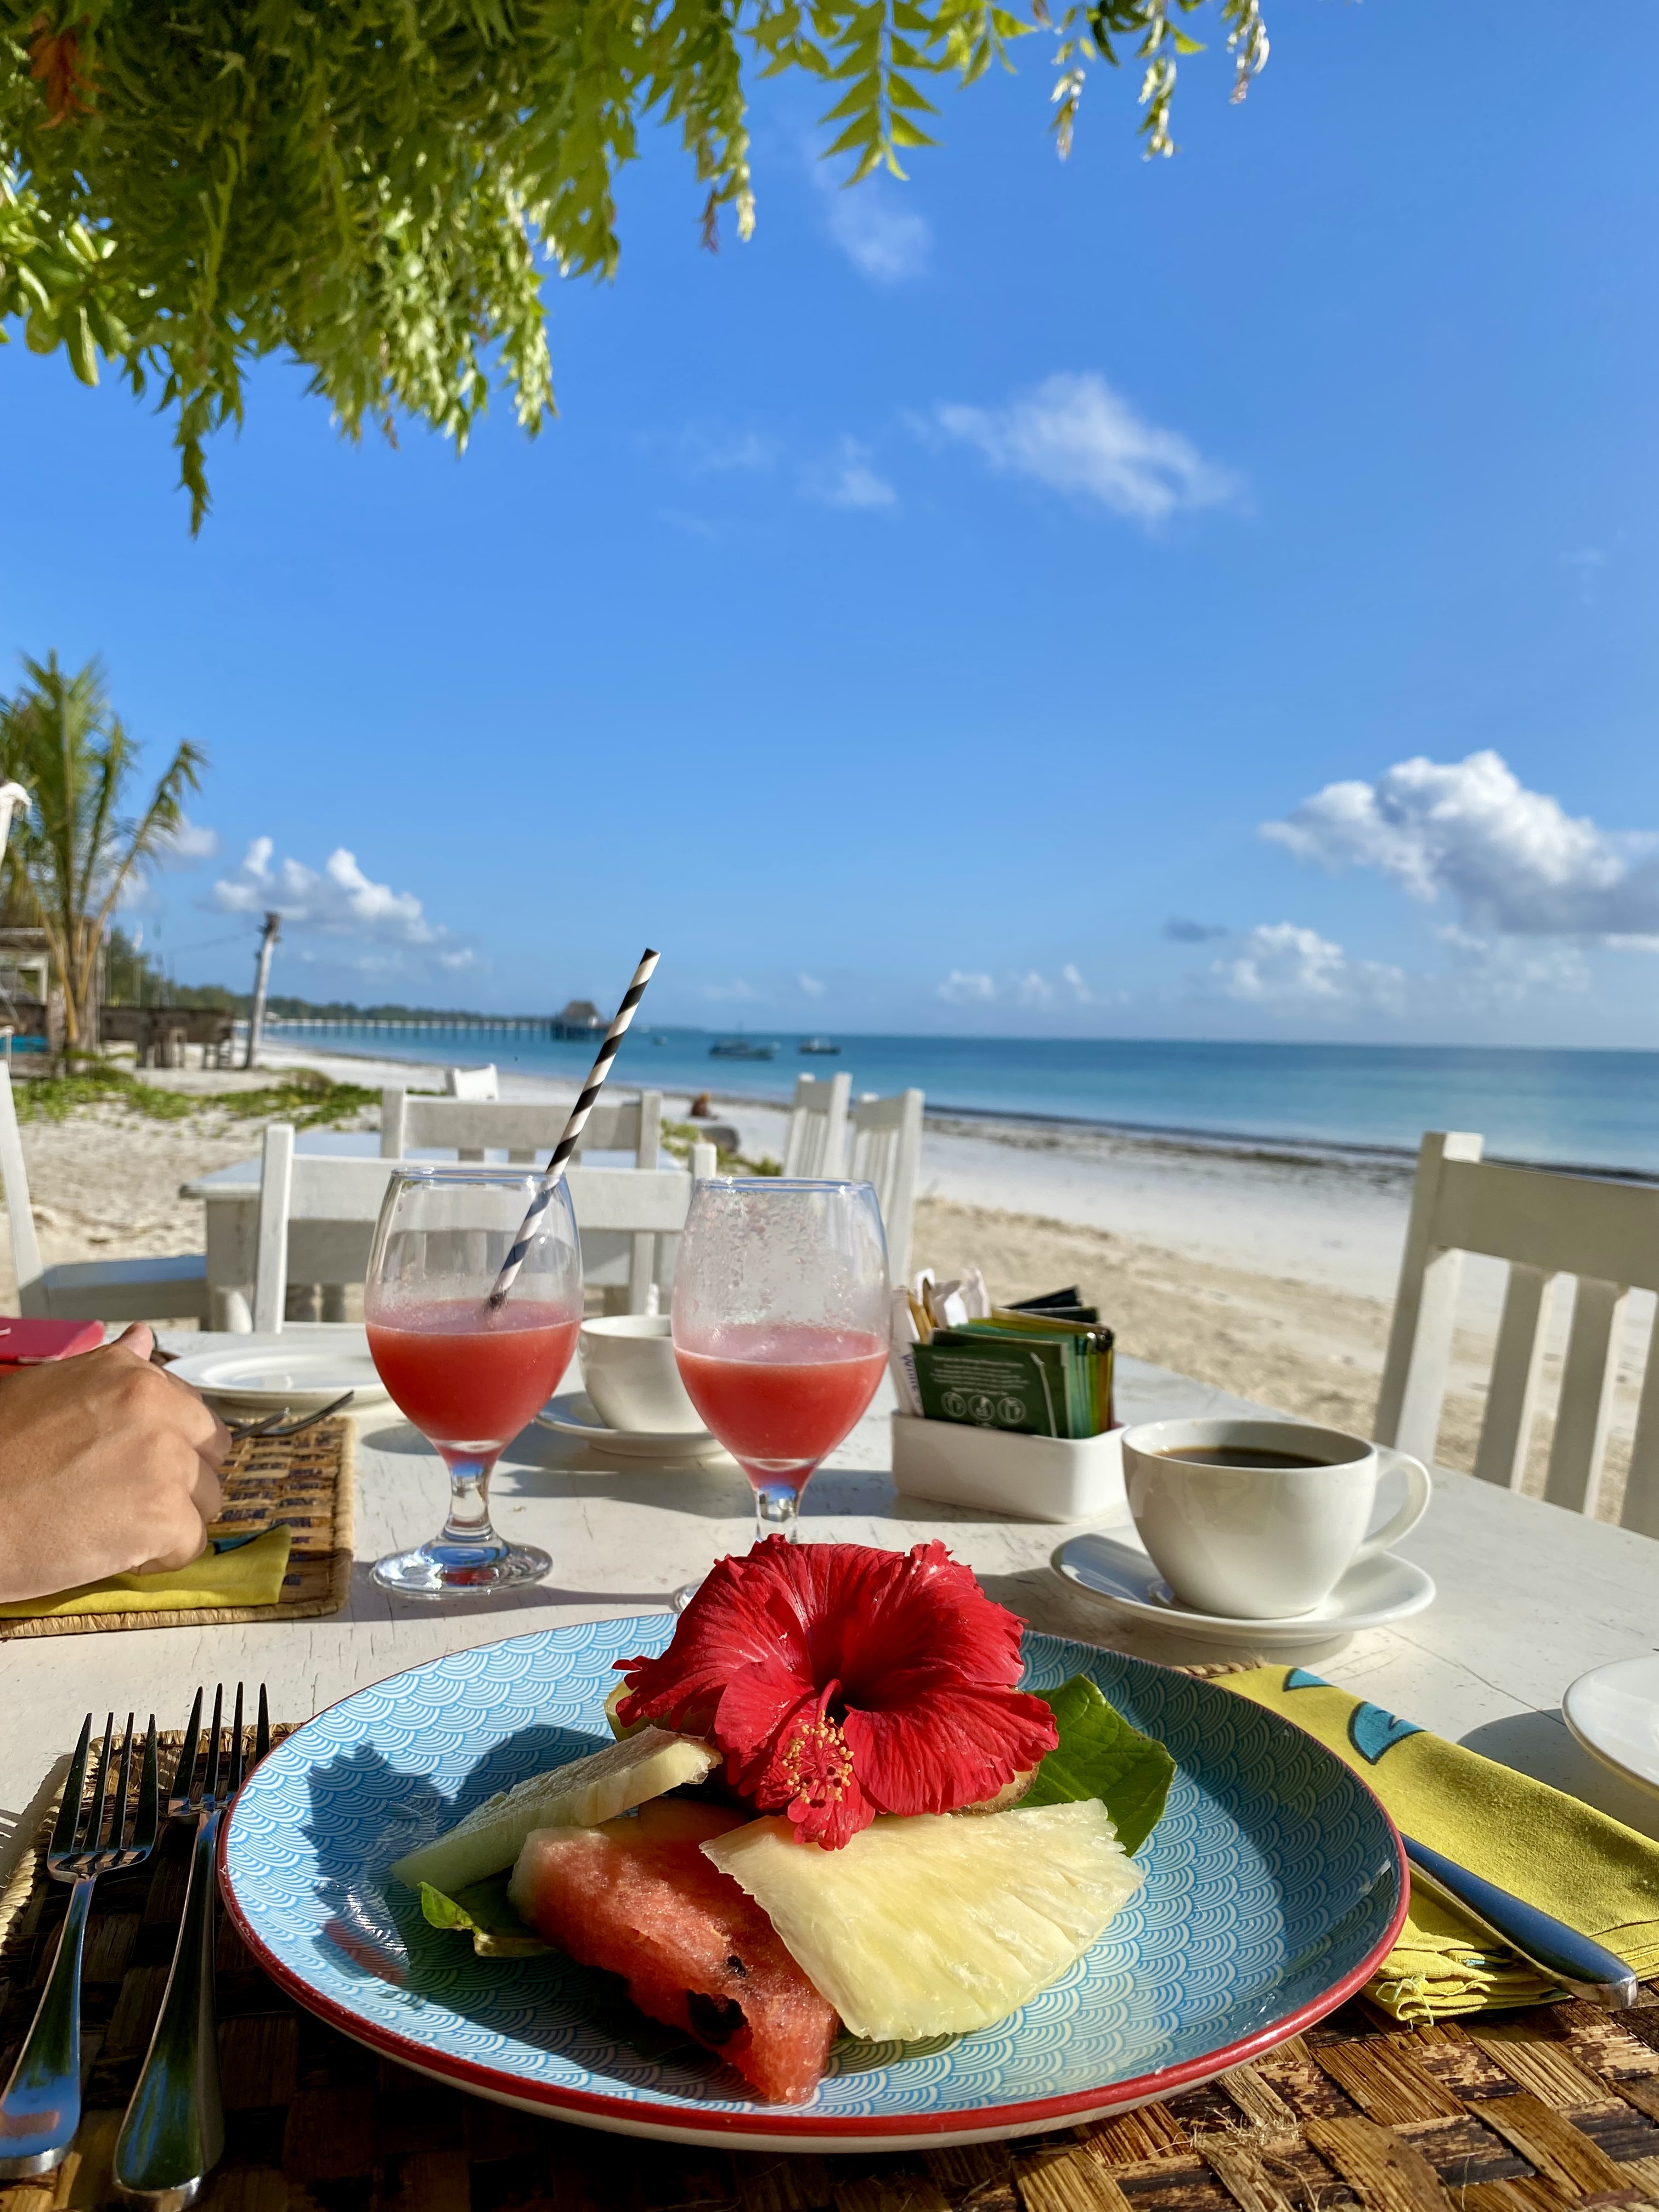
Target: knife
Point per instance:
(1581, 1966)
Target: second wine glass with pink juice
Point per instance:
(470, 1378)
(780, 1325)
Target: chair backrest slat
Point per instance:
(886, 1150)
(520, 1127)
(32, 1299)
(276, 1209)
(471, 1082)
(817, 1144)
(1578, 1448)
(1641, 1507)
(1417, 1362)
(1568, 1224)
(316, 1216)
(1603, 1234)
(1512, 1394)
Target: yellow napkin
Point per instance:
(248, 1574)
(1540, 1844)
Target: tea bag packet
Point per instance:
(901, 1358)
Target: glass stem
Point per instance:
(469, 1524)
(777, 1510)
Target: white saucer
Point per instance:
(1613, 1712)
(574, 1415)
(301, 1368)
(1373, 1595)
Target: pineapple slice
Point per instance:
(935, 1925)
(579, 1795)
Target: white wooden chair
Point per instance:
(316, 1216)
(172, 1288)
(817, 1144)
(1546, 1226)
(471, 1082)
(886, 1150)
(410, 1120)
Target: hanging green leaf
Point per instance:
(378, 189)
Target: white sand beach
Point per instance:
(1271, 1274)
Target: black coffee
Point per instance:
(1241, 1455)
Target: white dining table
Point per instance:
(1529, 1595)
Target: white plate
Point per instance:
(1613, 1711)
(1370, 1595)
(574, 1415)
(302, 1369)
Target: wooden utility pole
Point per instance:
(255, 1020)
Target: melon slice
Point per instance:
(584, 1792)
(935, 1925)
(638, 1898)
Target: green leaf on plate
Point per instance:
(482, 1909)
(1100, 1756)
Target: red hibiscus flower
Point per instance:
(841, 1682)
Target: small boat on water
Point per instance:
(818, 1044)
(742, 1048)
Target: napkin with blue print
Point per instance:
(1539, 1844)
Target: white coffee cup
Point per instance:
(630, 1373)
(1260, 1541)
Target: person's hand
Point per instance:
(107, 1467)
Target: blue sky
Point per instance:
(919, 616)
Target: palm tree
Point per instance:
(75, 852)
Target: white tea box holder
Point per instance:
(1030, 1477)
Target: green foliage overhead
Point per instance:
(372, 186)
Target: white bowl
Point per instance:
(629, 1372)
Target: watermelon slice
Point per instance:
(637, 1897)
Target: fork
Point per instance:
(40, 2109)
(174, 2129)
(278, 1425)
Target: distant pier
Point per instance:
(540, 1025)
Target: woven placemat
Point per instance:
(305, 1481)
(1544, 2110)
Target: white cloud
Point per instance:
(1034, 990)
(191, 842)
(708, 449)
(1505, 970)
(964, 990)
(1075, 983)
(339, 900)
(1513, 860)
(886, 242)
(1077, 436)
(848, 479)
(737, 988)
(1280, 964)
(812, 986)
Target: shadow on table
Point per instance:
(1047, 1600)
(370, 1603)
(1540, 1744)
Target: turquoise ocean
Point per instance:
(1595, 1110)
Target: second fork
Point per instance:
(174, 2129)
(40, 2109)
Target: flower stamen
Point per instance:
(813, 1761)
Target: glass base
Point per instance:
(684, 1595)
(441, 1569)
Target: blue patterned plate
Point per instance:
(1274, 1887)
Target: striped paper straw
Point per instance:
(529, 1227)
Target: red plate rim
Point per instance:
(784, 2120)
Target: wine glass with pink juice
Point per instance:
(780, 1325)
(468, 1378)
